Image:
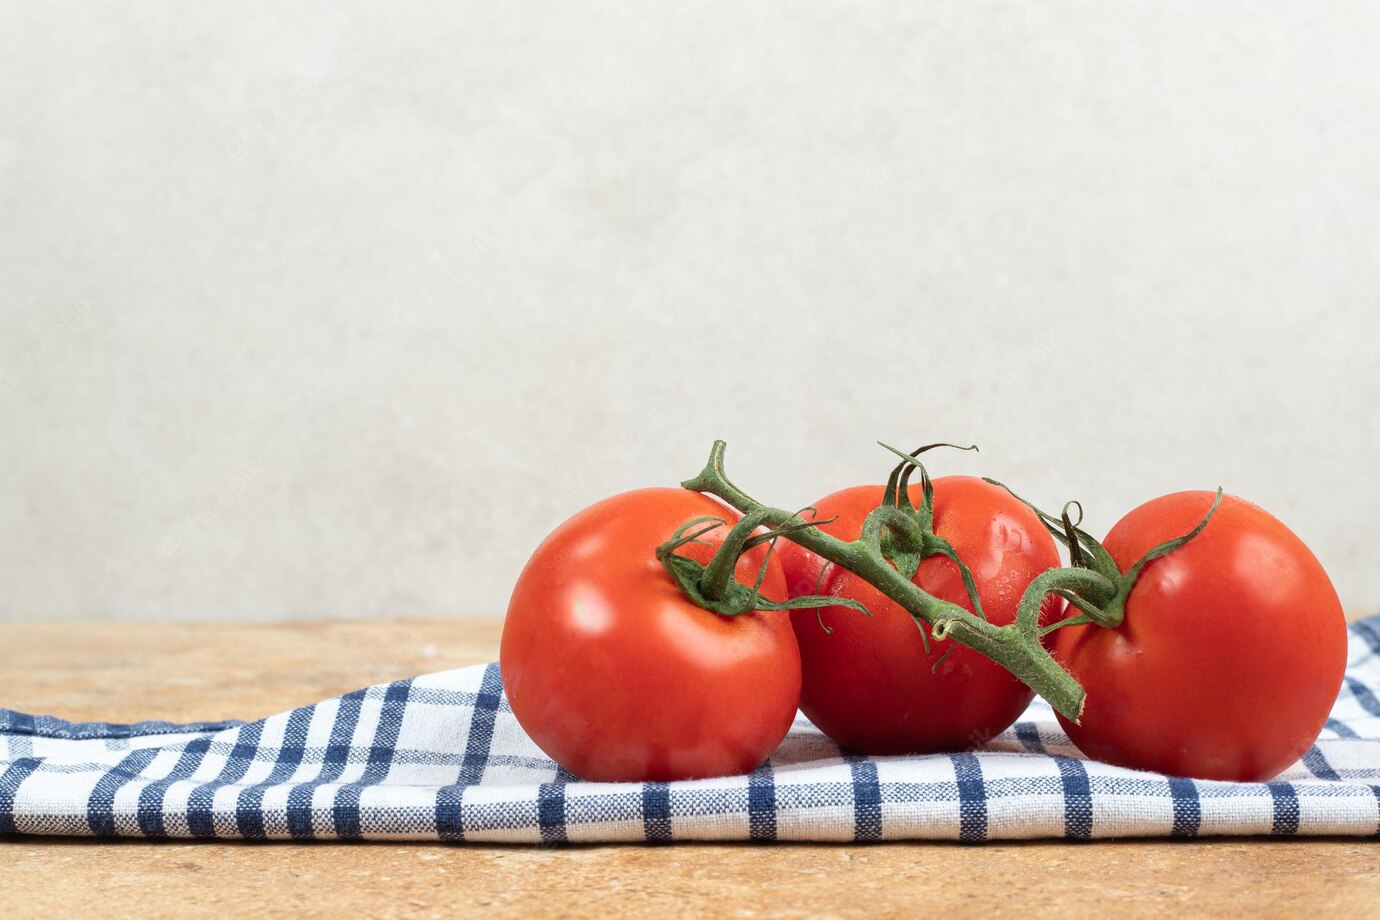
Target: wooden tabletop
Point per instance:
(124, 672)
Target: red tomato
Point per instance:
(869, 684)
(1231, 652)
(618, 677)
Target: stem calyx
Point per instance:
(714, 586)
(1099, 594)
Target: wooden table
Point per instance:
(188, 672)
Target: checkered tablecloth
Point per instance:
(441, 757)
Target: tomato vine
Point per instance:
(895, 536)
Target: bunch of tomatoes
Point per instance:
(1222, 661)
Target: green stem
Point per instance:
(718, 575)
(1016, 646)
(1093, 587)
(904, 529)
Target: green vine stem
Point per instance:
(1016, 646)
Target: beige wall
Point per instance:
(336, 312)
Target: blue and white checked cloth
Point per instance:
(441, 757)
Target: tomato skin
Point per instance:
(1231, 653)
(868, 685)
(618, 677)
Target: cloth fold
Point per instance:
(440, 757)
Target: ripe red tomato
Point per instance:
(617, 676)
(1230, 655)
(869, 683)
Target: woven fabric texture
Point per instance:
(441, 757)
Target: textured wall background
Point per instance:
(298, 306)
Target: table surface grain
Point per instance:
(184, 672)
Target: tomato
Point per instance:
(617, 676)
(869, 683)
(1229, 657)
